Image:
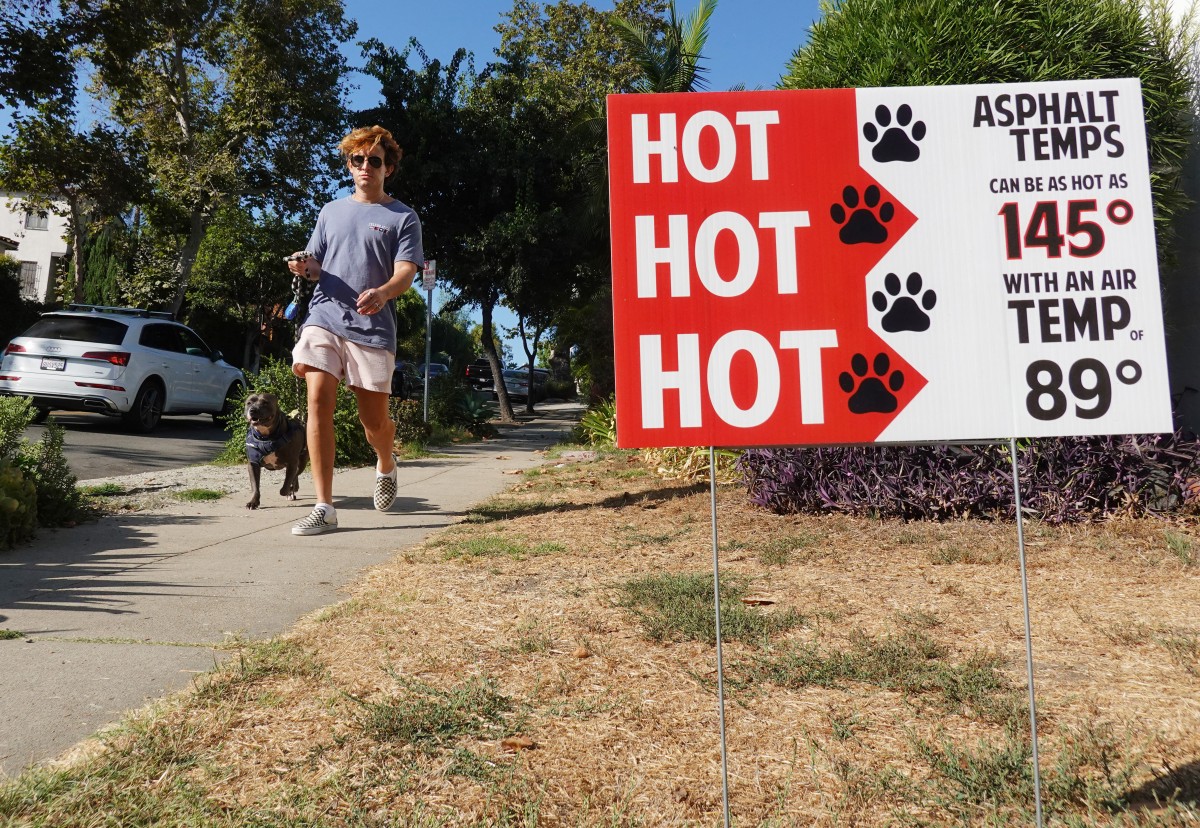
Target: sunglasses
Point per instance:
(357, 161)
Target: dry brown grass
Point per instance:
(624, 730)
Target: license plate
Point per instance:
(53, 363)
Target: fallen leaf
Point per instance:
(582, 652)
(515, 743)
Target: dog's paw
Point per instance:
(252, 503)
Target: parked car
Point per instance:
(518, 378)
(516, 381)
(123, 362)
(406, 382)
(479, 375)
(436, 369)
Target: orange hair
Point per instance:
(367, 138)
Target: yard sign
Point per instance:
(884, 265)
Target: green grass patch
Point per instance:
(195, 495)
(1181, 546)
(488, 546)
(103, 490)
(430, 718)
(277, 657)
(680, 608)
(6, 635)
(502, 509)
(778, 551)
(911, 663)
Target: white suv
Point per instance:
(124, 362)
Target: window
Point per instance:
(37, 221)
(29, 280)
(78, 329)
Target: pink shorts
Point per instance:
(359, 365)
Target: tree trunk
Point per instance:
(187, 257)
(78, 237)
(489, 350)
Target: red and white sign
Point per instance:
(429, 274)
(884, 265)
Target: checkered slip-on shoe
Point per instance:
(385, 489)
(319, 520)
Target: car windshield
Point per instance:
(79, 329)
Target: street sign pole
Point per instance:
(428, 278)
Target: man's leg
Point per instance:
(377, 423)
(322, 441)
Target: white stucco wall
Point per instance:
(41, 247)
(1181, 305)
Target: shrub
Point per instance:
(16, 413)
(446, 396)
(410, 421)
(598, 426)
(560, 389)
(1063, 480)
(42, 465)
(18, 505)
(474, 415)
(58, 501)
(276, 376)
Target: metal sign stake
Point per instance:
(712, 488)
(1037, 776)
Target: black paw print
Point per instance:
(895, 143)
(864, 224)
(872, 396)
(905, 314)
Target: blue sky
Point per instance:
(750, 42)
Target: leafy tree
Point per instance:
(36, 67)
(234, 100)
(668, 59)
(92, 173)
(544, 242)
(935, 42)
(241, 284)
(108, 260)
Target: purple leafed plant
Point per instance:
(1063, 479)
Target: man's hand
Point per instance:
(301, 263)
(371, 301)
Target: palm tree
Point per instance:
(669, 62)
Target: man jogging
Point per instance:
(365, 251)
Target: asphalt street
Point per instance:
(99, 446)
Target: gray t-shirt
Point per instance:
(358, 245)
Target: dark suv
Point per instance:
(479, 375)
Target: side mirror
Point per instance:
(216, 356)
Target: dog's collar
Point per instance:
(277, 426)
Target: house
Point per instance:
(36, 239)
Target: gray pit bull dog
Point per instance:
(274, 441)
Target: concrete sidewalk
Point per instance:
(126, 609)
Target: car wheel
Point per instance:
(40, 415)
(147, 407)
(231, 404)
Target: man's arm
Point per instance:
(372, 300)
(403, 275)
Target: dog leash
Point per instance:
(295, 312)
